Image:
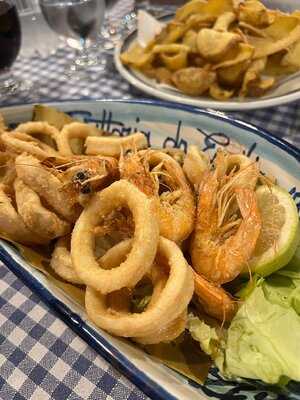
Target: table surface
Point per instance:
(40, 357)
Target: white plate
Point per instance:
(152, 88)
(172, 125)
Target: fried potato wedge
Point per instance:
(274, 65)
(255, 13)
(175, 61)
(233, 76)
(292, 58)
(267, 46)
(137, 56)
(169, 48)
(219, 93)
(171, 33)
(190, 40)
(209, 8)
(224, 21)
(252, 30)
(161, 75)
(244, 53)
(193, 81)
(213, 45)
(199, 21)
(282, 26)
(253, 84)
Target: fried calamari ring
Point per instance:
(74, 130)
(11, 223)
(166, 333)
(112, 145)
(116, 254)
(47, 186)
(38, 128)
(170, 331)
(120, 301)
(61, 261)
(171, 303)
(19, 142)
(145, 239)
(36, 217)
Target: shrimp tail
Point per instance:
(215, 300)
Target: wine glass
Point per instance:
(10, 44)
(79, 21)
(112, 29)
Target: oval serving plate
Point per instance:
(152, 88)
(164, 124)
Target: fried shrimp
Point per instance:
(222, 244)
(159, 176)
(235, 169)
(38, 218)
(47, 186)
(177, 203)
(214, 300)
(74, 130)
(134, 168)
(86, 176)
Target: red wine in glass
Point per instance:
(10, 43)
(10, 35)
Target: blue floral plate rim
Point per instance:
(215, 114)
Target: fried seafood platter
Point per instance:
(220, 49)
(165, 245)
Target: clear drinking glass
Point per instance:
(79, 21)
(112, 30)
(10, 44)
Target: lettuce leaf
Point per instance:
(263, 339)
(208, 338)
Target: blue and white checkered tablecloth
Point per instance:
(50, 84)
(40, 357)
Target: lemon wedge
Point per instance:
(279, 235)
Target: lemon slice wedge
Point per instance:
(279, 235)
